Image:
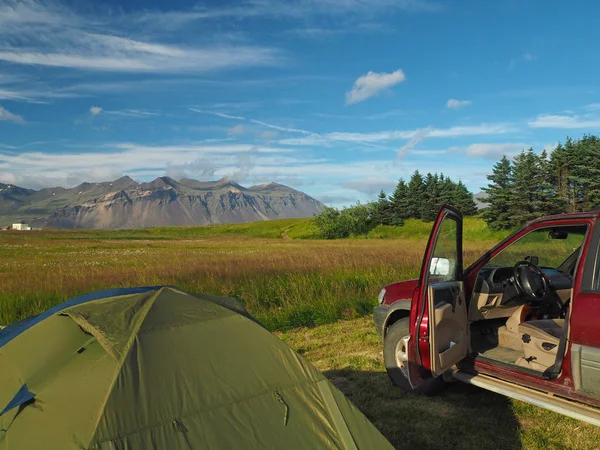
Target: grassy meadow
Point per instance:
(284, 278)
(316, 295)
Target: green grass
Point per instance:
(288, 282)
(474, 229)
(462, 417)
(294, 228)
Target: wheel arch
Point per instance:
(399, 310)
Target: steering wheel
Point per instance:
(531, 281)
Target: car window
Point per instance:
(443, 264)
(545, 247)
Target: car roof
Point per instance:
(564, 216)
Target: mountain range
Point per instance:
(125, 203)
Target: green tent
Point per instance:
(159, 368)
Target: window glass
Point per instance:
(443, 264)
(556, 248)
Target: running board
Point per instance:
(542, 399)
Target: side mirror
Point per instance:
(439, 266)
(558, 234)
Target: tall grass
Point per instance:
(285, 283)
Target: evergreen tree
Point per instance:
(525, 188)
(547, 200)
(430, 203)
(415, 193)
(559, 174)
(382, 210)
(399, 203)
(447, 190)
(462, 200)
(499, 196)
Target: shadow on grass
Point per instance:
(462, 417)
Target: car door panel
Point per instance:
(439, 329)
(450, 339)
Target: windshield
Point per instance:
(545, 247)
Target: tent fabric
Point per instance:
(21, 397)
(160, 368)
(12, 331)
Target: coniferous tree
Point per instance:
(525, 188)
(382, 210)
(399, 203)
(430, 203)
(559, 174)
(547, 200)
(462, 200)
(499, 196)
(447, 189)
(415, 193)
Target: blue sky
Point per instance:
(338, 98)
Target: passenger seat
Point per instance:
(540, 343)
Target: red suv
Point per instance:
(523, 320)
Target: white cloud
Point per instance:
(525, 57)
(494, 151)
(40, 169)
(95, 110)
(458, 104)
(138, 113)
(268, 135)
(370, 185)
(274, 9)
(6, 115)
(416, 139)
(46, 34)
(565, 121)
(238, 130)
(373, 84)
(396, 135)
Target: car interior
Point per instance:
(521, 299)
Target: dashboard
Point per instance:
(500, 280)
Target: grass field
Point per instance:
(462, 417)
(284, 282)
(288, 280)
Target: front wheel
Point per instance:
(395, 356)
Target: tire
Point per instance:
(394, 344)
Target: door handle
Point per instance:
(456, 292)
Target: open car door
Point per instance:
(439, 331)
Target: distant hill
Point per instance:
(480, 200)
(125, 203)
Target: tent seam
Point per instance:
(121, 363)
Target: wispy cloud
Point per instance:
(565, 121)
(397, 135)
(494, 151)
(238, 130)
(137, 113)
(373, 84)
(274, 9)
(6, 115)
(525, 57)
(47, 34)
(458, 104)
(416, 139)
(69, 168)
(370, 185)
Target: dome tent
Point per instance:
(160, 368)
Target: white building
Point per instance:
(21, 227)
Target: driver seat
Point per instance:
(540, 342)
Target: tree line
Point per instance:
(533, 185)
(419, 198)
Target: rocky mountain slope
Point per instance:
(125, 203)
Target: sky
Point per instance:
(336, 98)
